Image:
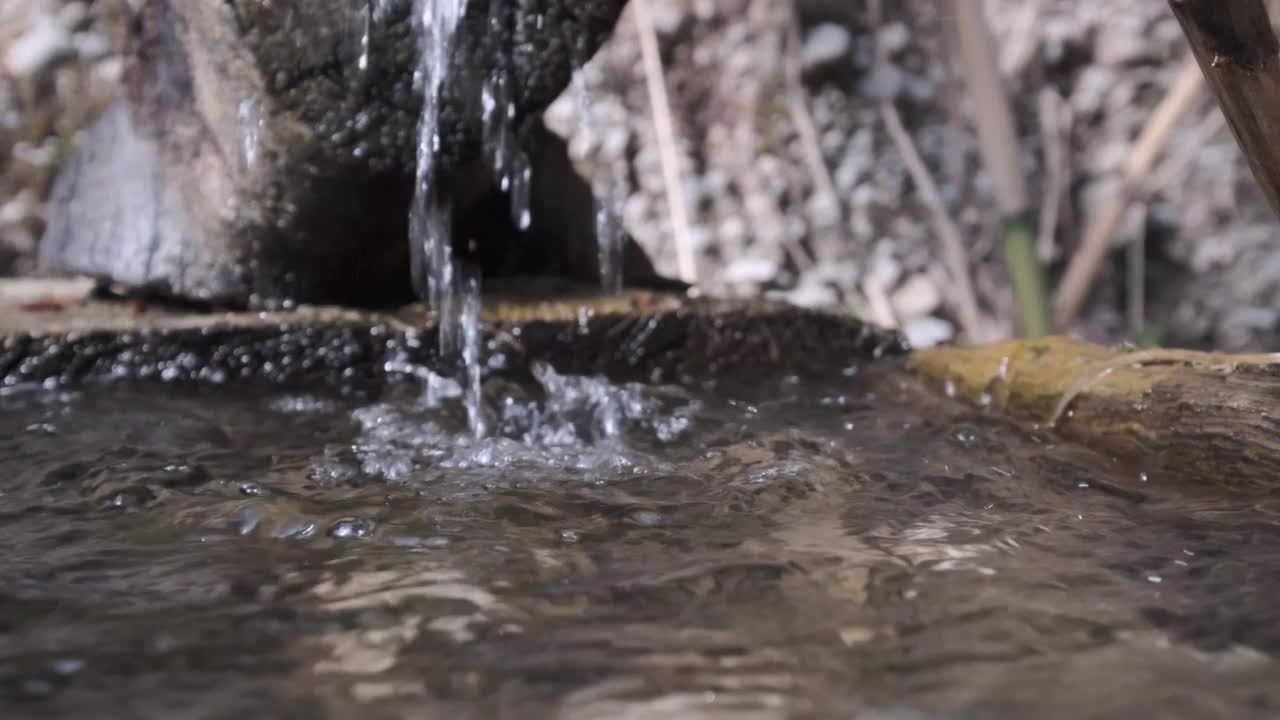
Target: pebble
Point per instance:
(751, 269)
(927, 332)
(45, 43)
(917, 296)
(825, 44)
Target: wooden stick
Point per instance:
(1237, 49)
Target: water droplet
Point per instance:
(570, 537)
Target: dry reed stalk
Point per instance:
(962, 298)
(1084, 265)
(664, 129)
(1001, 156)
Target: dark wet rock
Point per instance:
(639, 336)
(253, 157)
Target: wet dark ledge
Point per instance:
(644, 336)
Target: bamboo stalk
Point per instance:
(1001, 155)
(1237, 49)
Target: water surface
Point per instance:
(844, 547)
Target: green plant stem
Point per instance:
(1027, 278)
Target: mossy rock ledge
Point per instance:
(1209, 419)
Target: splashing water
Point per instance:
(449, 288)
(472, 356)
(249, 118)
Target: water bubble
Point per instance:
(327, 474)
(66, 666)
(132, 499)
(409, 541)
(647, 518)
(348, 528)
(296, 530)
(249, 519)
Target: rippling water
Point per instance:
(850, 548)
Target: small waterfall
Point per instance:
(431, 214)
(438, 275)
(609, 199)
(366, 17)
(497, 101)
(472, 356)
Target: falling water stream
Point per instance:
(451, 287)
(609, 200)
(453, 293)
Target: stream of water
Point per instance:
(451, 287)
(843, 548)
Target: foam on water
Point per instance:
(563, 421)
